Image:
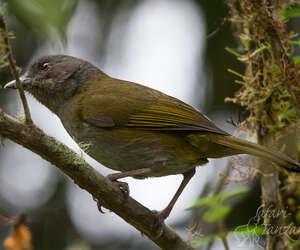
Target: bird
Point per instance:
(131, 128)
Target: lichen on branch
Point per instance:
(268, 84)
(270, 92)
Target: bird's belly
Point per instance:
(128, 149)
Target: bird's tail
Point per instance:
(246, 147)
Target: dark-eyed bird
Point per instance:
(131, 128)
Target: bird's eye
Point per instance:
(45, 66)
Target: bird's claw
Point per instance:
(123, 186)
(98, 205)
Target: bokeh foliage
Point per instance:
(47, 17)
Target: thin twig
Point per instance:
(224, 240)
(225, 243)
(13, 67)
(217, 29)
(6, 219)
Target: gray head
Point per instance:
(54, 79)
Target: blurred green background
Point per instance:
(159, 43)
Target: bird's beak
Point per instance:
(12, 84)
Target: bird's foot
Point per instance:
(160, 221)
(98, 205)
(123, 186)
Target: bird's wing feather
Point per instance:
(139, 107)
(172, 114)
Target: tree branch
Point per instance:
(111, 197)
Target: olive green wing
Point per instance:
(171, 114)
(138, 107)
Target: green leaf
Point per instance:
(203, 240)
(49, 17)
(213, 200)
(296, 59)
(209, 200)
(297, 193)
(295, 244)
(248, 230)
(298, 146)
(291, 13)
(289, 114)
(216, 213)
(226, 195)
(298, 216)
